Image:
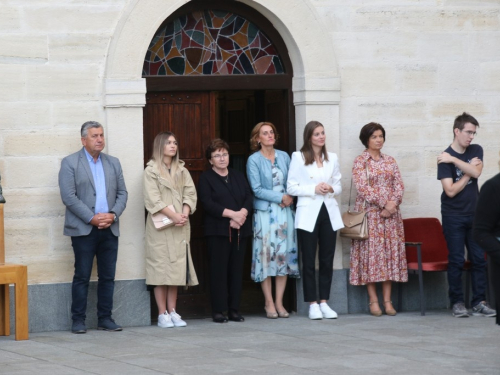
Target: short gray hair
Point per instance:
(87, 125)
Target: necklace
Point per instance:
(224, 178)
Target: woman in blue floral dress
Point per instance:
(274, 250)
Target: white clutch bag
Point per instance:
(162, 221)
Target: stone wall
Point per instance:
(410, 65)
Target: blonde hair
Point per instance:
(157, 156)
(254, 135)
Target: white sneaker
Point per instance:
(165, 321)
(315, 312)
(327, 312)
(176, 319)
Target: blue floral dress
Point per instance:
(274, 239)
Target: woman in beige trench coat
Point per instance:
(168, 254)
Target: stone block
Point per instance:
(440, 19)
(12, 83)
(430, 159)
(409, 161)
(50, 305)
(63, 83)
(412, 192)
(369, 46)
(491, 161)
(32, 172)
(487, 134)
(23, 49)
(77, 18)
(41, 143)
(34, 203)
(72, 115)
(447, 109)
(368, 80)
(78, 48)
(397, 110)
(490, 76)
(21, 116)
(61, 244)
(430, 198)
(53, 269)
(10, 19)
(479, 48)
(458, 78)
(442, 47)
(26, 239)
(418, 78)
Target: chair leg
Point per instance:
(21, 287)
(4, 310)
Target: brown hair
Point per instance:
(367, 131)
(307, 149)
(215, 144)
(254, 143)
(463, 119)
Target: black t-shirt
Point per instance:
(464, 203)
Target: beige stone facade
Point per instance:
(410, 65)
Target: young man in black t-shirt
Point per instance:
(459, 167)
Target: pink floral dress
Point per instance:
(382, 256)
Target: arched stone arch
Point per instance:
(316, 89)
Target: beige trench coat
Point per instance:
(168, 250)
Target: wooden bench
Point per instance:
(16, 274)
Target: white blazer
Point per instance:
(302, 181)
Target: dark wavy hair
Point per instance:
(367, 131)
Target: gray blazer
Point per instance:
(76, 184)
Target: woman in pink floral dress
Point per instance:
(381, 258)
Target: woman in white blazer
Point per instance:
(314, 177)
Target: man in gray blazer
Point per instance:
(94, 193)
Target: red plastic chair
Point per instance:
(425, 235)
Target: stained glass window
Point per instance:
(211, 42)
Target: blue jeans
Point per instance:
(102, 244)
(458, 233)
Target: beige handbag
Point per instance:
(355, 223)
(161, 221)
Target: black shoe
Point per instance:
(235, 316)
(219, 318)
(108, 325)
(78, 327)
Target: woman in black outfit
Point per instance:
(487, 230)
(227, 200)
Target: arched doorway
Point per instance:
(215, 71)
(316, 95)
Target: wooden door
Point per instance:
(191, 117)
(239, 112)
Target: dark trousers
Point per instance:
(458, 233)
(102, 244)
(494, 268)
(226, 271)
(324, 236)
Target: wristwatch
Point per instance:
(115, 219)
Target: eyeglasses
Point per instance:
(470, 133)
(220, 156)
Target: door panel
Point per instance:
(190, 116)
